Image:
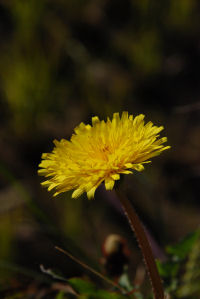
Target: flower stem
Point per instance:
(144, 245)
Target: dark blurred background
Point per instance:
(62, 62)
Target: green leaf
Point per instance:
(102, 294)
(190, 285)
(182, 249)
(88, 290)
(60, 295)
(167, 269)
(82, 286)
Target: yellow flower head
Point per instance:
(101, 152)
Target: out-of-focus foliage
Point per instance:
(181, 271)
(97, 54)
(62, 62)
(190, 280)
(88, 290)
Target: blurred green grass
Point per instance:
(65, 61)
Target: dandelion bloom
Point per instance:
(101, 152)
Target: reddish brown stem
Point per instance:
(144, 245)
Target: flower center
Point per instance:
(106, 149)
(104, 152)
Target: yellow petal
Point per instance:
(126, 172)
(81, 128)
(138, 119)
(115, 176)
(124, 116)
(77, 193)
(53, 185)
(109, 184)
(95, 120)
(129, 165)
(90, 194)
(138, 167)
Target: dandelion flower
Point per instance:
(101, 152)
